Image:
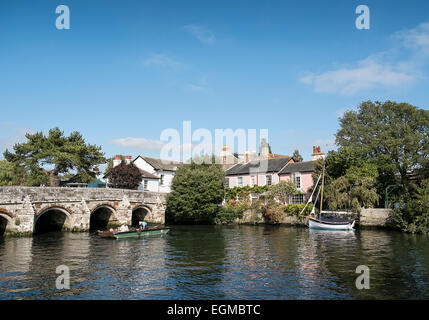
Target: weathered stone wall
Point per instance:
(22, 206)
(251, 217)
(40, 194)
(374, 217)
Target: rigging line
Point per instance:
(311, 197)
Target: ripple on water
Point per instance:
(217, 262)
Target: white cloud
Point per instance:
(141, 143)
(416, 39)
(380, 70)
(162, 60)
(202, 34)
(368, 74)
(16, 134)
(201, 85)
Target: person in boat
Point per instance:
(123, 228)
(142, 225)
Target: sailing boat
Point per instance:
(314, 223)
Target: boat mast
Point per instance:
(323, 183)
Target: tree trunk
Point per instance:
(53, 178)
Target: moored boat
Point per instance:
(137, 233)
(324, 224)
(330, 225)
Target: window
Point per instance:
(296, 178)
(269, 180)
(162, 180)
(145, 183)
(227, 182)
(252, 181)
(297, 182)
(296, 199)
(239, 181)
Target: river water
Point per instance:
(218, 262)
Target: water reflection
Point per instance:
(218, 262)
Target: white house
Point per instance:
(157, 173)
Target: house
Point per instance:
(301, 173)
(274, 169)
(157, 174)
(256, 172)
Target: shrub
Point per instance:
(198, 190)
(273, 212)
(295, 209)
(231, 211)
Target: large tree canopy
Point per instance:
(394, 136)
(44, 157)
(198, 190)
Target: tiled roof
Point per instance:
(258, 166)
(148, 174)
(160, 164)
(305, 166)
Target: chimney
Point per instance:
(128, 159)
(317, 154)
(117, 161)
(246, 155)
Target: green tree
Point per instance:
(412, 215)
(125, 176)
(354, 190)
(10, 175)
(297, 156)
(45, 157)
(282, 191)
(393, 136)
(197, 192)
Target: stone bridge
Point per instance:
(27, 210)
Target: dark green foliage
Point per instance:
(412, 215)
(58, 153)
(297, 156)
(197, 193)
(393, 136)
(231, 211)
(125, 176)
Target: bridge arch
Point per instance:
(139, 213)
(100, 216)
(5, 219)
(52, 218)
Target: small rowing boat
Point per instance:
(137, 233)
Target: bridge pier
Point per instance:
(25, 209)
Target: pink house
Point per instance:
(272, 171)
(301, 173)
(256, 172)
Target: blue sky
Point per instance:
(127, 70)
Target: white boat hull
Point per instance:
(323, 225)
